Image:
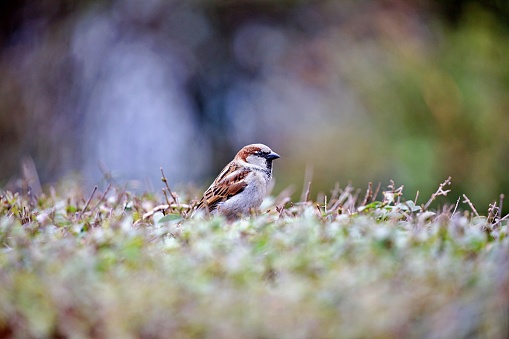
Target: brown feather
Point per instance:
(247, 150)
(224, 187)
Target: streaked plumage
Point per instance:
(242, 184)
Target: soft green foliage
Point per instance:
(384, 269)
(437, 98)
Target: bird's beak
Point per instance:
(272, 156)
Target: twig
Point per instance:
(416, 197)
(320, 213)
(173, 195)
(102, 198)
(500, 220)
(456, 207)
(392, 186)
(492, 212)
(337, 205)
(163, 208)
(502, 196)
(308, 191)
(281, 208)
(308, 177)
(166, 197)
(369, 194)
(353, 198)
(470, 204)
(335, 192)
(440, 191)
(88, 202)
(345, 195)
(377, 190)
(394, 195)
(120, 196)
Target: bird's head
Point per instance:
(258, 155)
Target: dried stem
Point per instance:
(492, 212)
(440, 191)
(392, 185)
(162, 208)
(102, 198)
(88, 202)
(320, 213)
(308, 177)
(470, 204)
(456, 206)
(166, 197)
(500, 220)
(308, 191)
(376, 191)
(369, 194)
(173, 195)
(120, 196)
(500, 205)
(281, 208)
(335, 192)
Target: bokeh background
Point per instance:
(352, 91)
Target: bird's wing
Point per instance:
(230, 182)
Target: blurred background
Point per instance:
(350, 91)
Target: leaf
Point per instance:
(409, 206)
(372, 205)
(170, 217)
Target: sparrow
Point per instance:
(242, 184)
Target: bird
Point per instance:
(242, 184)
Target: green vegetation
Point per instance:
(359, 265)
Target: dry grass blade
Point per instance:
(87, 203)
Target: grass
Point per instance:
(112, 265)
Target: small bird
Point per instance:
(242, 184)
